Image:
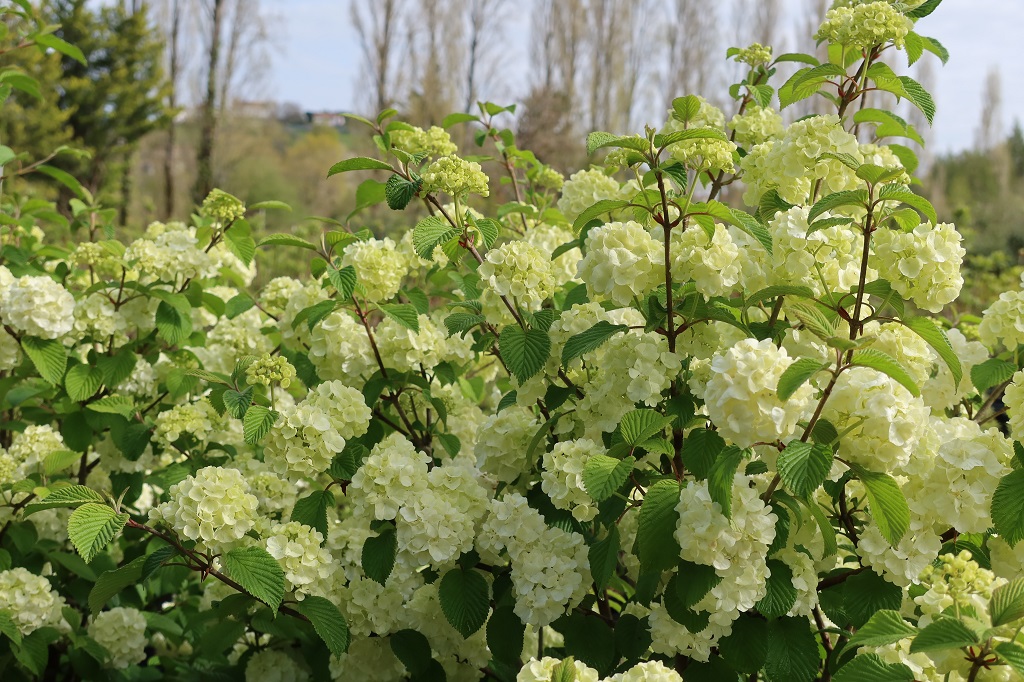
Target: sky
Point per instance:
(317, 61)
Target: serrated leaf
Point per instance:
(404, 314)
(461, 323)
(603, 475)
(312, 510)
(883, 628)
(1007, 603)
(357, 163)
(505, 634)
(111, 582)
(828, 533)
(776, 291)
(430, 233)
(398, 191)
(720, 478)
(1012, 654)
(604, 557)
(173, 325)
(746, 648)
(749, 224)
(259, 573)
(796, 375)
(684, 109)
(524, 351)
(792, 651)
(240, 242)
(919, 97)
(70, 496)
(903, 195)
(59, 460)
(257, 423)
(9, 628)
(589, 340)
(943, 633)
(92, 526)
(412, 648)
(886, 502)
(48, 356)
(328, 622)
(600, 208)
(803, 467)
(700, 450)
(936, 338)
(155, 560)
(82, 382)
(656, 544)
(281, 239)
(639, 425)
(465, 599)
(489, 229)
(237, 402)
(814, 319)
(781, 594)
(871, 668)
(886, 364)
(1008, 507)
(378, 555)
(853, 197)
(991, 373)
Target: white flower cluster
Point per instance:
(865, 25)
(547, 238)
(309, 435)
(95, 316)
(550, 567)
(271, 665)
(1013, 398)
(503, 441)
(757, 125)
(562, 476)
(705, 154)
(380, 267)
(455, 176)
(29, 448)
(275, 294)
(169, 253)
(711, 262)
(408, 350)
(622, 261)
(521, 271)
(197, 420)
(585, 188)
(276, 495)
(543, 670)
(647, 671)
(393, 473)
(824, 260)
(434, 141)
(340, 349)
(923, 265)
(10, 351)
(122, 632)
(36, 306)
(940, 391)
(741, 396)
(901, 564)
(29, 600)
(214, 507)
(297, 547)
(1002, 323)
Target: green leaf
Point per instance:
(781, 594)
(173, 325)
(803, 467)
(259, 573)
(853, 197)
(358, 163)
(68, 180)
(656, 544)
(489, 229)
(114, 404)
(777, 290)
(1007, 603)
(1012, 654)
(991, 373)
(461, 323)
(505, 634)
(71, 496)
(883, 628)
(62, 46)
(111, 582)
(48, 355)
(430, 233)
(156, 560)
(903, 195)
(240, 242)
(749, 224)
(603, 475)
(792, 651)
(589, 340)
(82, 382)
(257, 423)
(604, 558)
(770, 204)
(328, 622)
(465, 599)
(886, 364)
(936, 338)
(640, 425)
(871, 668)
(237, 402)
(453, 119)
(720, 478)
(524, 351)
(92, 526)
(312, 510)
(943, 633)
(399, 192)
(684, 109)
(378, 555)
(689, 134)
(404, 314)
(9, 628)
(936, 48)
(886, 502)
(797, 374)
(413, 649)
(369, 193)
(600, 208)
(700, 450)
(1008, 507)
(919, 97)
(281, 239)
(923, 10)
(746, 648)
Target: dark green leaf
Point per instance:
(328, 622)
(465, 599)
(803, 467)
(524, 351)
(590, 340)
(259, 573)
(358, 163)
(378, 556)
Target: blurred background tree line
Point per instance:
(175, 101)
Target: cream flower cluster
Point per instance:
(583, 189)
(276, 495)
(939, 392)
(704, 154)
(408, 350)
(434, 141)
(37, 306)
(311, 293)
(543, 670)
(622, 261)
(757, 125)
(865, 25)
(1002, 323)
(29, 600)
(95, 316)
(647, 671)
(271, 665)
(824, 260)
(923, 265)
(901, 564)
(562, 477)
(741, 396)
(29, 448)
(503, 441)
(712, 263)
(275, 294)
(196, 419)
(96, 257)
(455, 176)
(1013, 398)
(547, 238)
(214, 507)
(393, 473)
(10, 351)
(369, 659)
(169, 252)
(521, 271)
(297, 547)
(340, 349)
(380, 267)
(231, 339)
(885, 419)
(268, 369)
(907, 347)
(122, 632)
(550, 567)
(222, 207)
(310, 434)
(754, 54)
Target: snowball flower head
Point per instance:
(585, 188)
(865, 25)
(122, 632)
(379, 267)
(521, 271)
(622, 261)
(543, 670)
(297, 547)
(271, 665)
(757, 125)
(922, 265)
(434, 141)
(455, 176)
(37, 306)
(1002, 323)
(29, 600)
(214, 507)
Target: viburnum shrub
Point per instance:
(617, 430)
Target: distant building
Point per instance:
(334, 119)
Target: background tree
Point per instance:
(378, 25)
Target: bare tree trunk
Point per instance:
(208, 121)
(126, 186)
(377, 23)
(174, 64)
